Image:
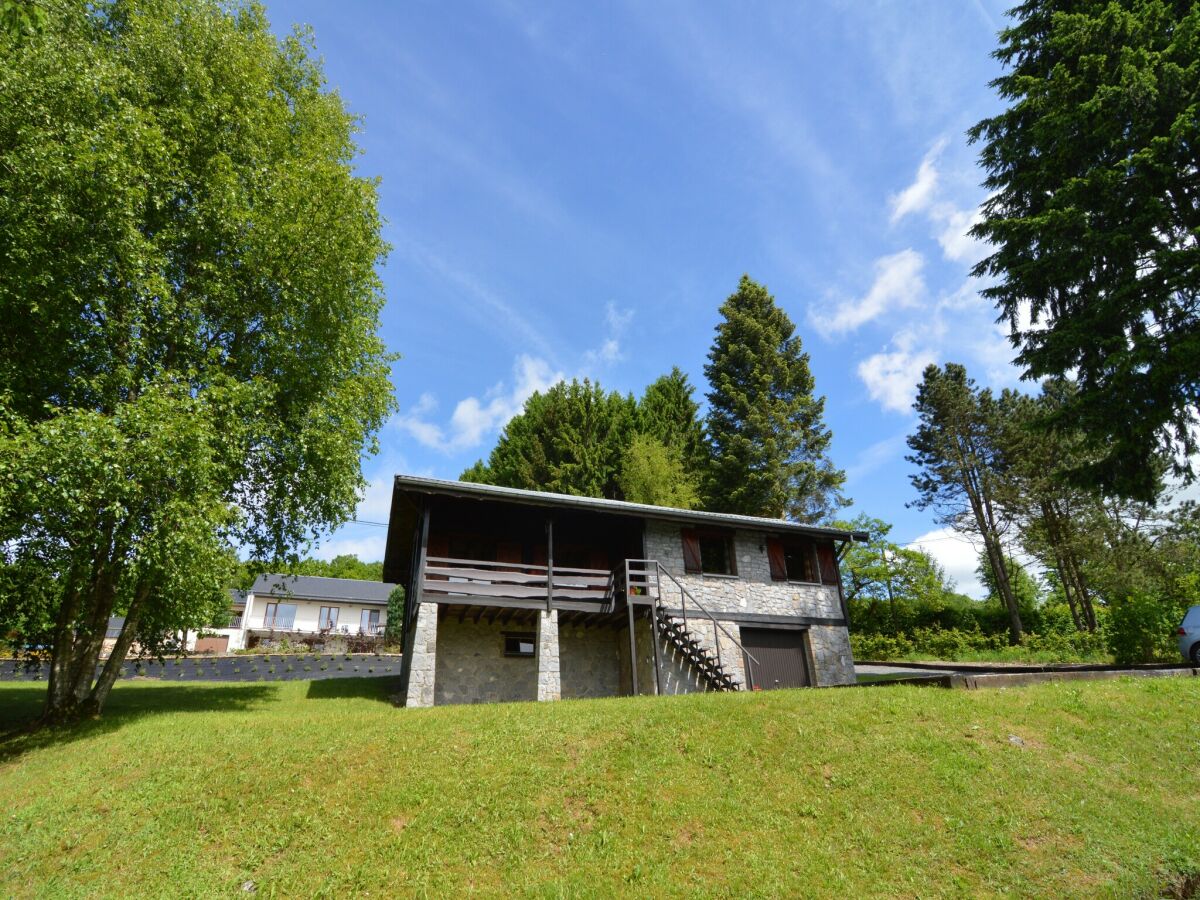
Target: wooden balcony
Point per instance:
(484, 583)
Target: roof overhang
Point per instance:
(435, 486)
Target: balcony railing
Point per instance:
(279, 623)
(481, 581)
(234, 622)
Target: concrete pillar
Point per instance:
(423, 658)
(549, 683)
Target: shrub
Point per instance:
(1141, 628)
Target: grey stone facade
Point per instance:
(752, 592)
(472, 667)
(423, 657)
(590, 661)
(549, 682)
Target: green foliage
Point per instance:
(1093, 219)
(667, 413)
(395, 616)
(1142, 627)
(957, 450)
(964, 645)
(345, 566)
(568, 440)
(188, 307)
(769, 440)
(653, 473)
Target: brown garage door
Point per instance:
(782, 661)
(215, 644)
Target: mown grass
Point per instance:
(323, 788)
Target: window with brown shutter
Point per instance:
(829, 566)
(777, 558)
(691, 551)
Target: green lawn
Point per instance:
(323, 788)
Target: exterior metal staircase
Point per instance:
(646, 578)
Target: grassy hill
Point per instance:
(324, 788)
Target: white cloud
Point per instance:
(892, 377)
(475, 417)
(609, 351)
(898, 283)
(919, 195)
(953, 225)
(956, 554)
(368, 548)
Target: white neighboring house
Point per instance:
(299, 606)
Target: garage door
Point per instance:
(782, 661)
(217, 644)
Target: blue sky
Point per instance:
(573, 189)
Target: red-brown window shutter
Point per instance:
(829, 567)
(691, 551)
(777, 559)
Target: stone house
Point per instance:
(523, 595)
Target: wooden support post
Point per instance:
(632, 648)
(657, 650)
(549, 563)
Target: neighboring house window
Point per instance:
(518, 644)
(369, 624)
(708, 552)
(279, 615)
(792, 559)
(328, 619)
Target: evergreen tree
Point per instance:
(654, 473)
(961, 468)
(569, 440)
(769, 440)
(667, 413)
(1094, 216)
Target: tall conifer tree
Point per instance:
(767, 430)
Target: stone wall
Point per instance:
(472, 667)
(831, 656)
(422, 658)
(549, 681)
(590, 661)
(752, 592)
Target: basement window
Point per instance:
(518, 644)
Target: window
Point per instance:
(518, 644)
(327, 621)
(798, 559)
(279, 615)
(369, 623)
(710, 552)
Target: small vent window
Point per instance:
(518, 644)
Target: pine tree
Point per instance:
(569, 440)
(769, 440)
(961, 468)
(668, 414)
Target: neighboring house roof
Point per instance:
(237, 598)
(312, 587)
(620, 507)
(115, 624)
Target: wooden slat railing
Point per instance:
(482, 580)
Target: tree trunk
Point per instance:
(1054, 536)
(108, 676)
(999, 566)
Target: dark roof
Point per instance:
(237, 598)
(620, 507)
(313, 587)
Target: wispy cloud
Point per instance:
(898, 283)
(891, 376)
(918, 196)
(481, 300)
(616, 322)
(875, 457)
(475, 417)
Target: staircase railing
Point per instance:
(640, 579)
